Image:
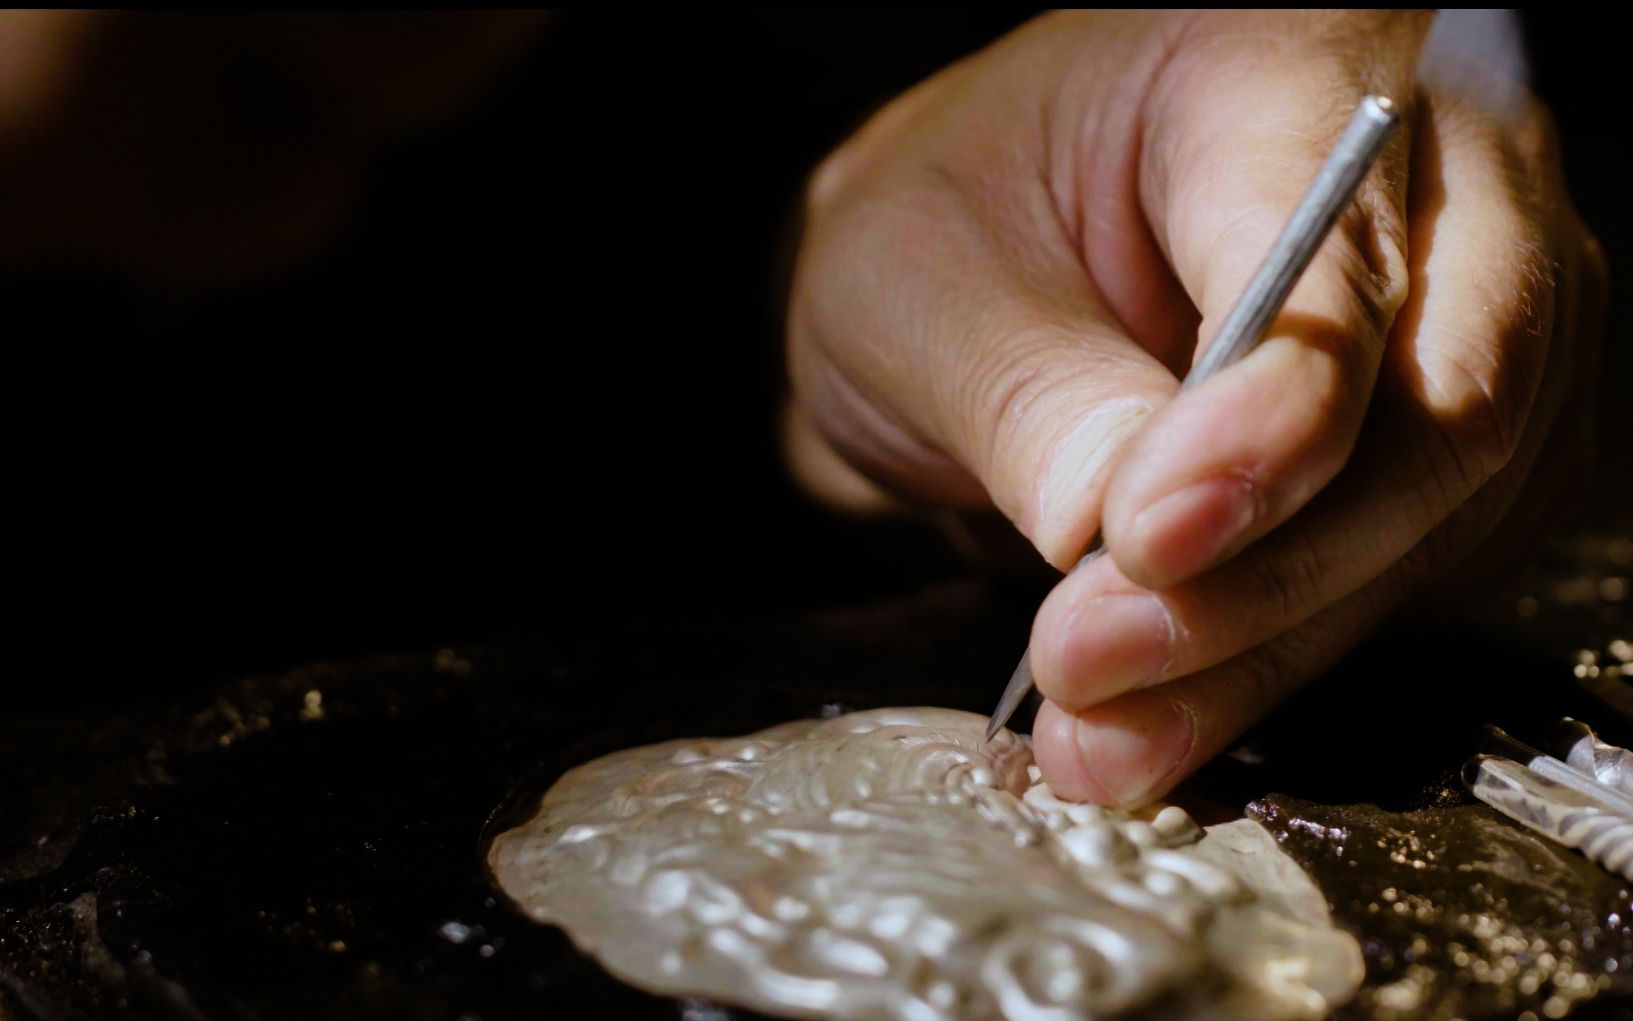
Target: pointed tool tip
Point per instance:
(1020, 682)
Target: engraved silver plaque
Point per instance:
(889, 865)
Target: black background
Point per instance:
(527, 383)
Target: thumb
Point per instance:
(955, 374)
(1229, 156)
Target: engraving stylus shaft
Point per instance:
(1328, 196)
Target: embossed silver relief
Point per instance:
(888, 865)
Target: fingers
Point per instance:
(1557, 478)
(952, 369)
(1137, 746)
(1458, 388)
(1229, 460)
(1134, 748)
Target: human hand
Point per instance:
(1005, 272)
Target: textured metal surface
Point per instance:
(892, 865)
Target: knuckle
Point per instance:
(1407, 576)
(1263, 675)
(1532, 261)
(1515, 367)
(1440, 477)
(1261, 671)
(1535, 136)
(1435, 554)
(1002, 383)
(1288, 580)
(1345, 317)
(1483, 431)
(1037, 415)
(1487, 376)
(1372, 253)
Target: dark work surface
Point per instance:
(239, 854)
(296, 846)
(1463, 913)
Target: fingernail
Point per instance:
(1115, 643)
(1189, 529)
(1129, 755)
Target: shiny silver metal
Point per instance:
(1575, 744)
(1569, 813)
(1584, 781)
(890, 865)
(1328, 196)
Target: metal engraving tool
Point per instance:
(1328, 196)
